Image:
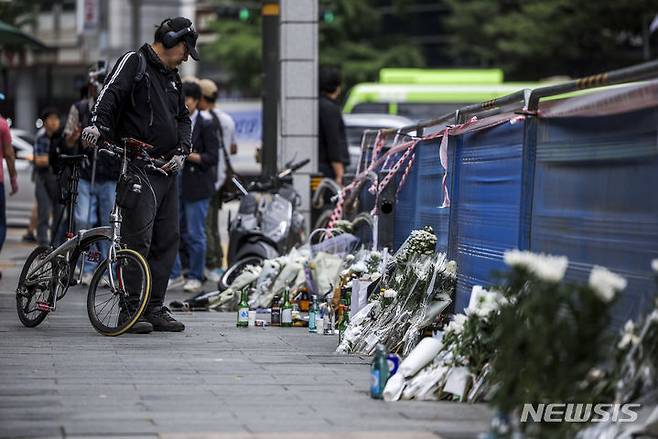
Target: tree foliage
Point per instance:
(532, 39)
(355, 41)
(238, 51)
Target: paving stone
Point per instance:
(212, 381)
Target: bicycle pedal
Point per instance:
(43, 306)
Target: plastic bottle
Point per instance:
(379, 373)
(312, 314)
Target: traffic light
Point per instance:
(328, 16)
(244, 14)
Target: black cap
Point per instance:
(180, 23)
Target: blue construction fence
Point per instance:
(580, 186)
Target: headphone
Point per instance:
(171, 37)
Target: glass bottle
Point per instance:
(286, 309)
(276, 312)
(312, 314)
(243, 309)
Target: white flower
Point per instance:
(345, 273)
(359, 267)
(451, 268)
(595, 374)
(605, 283)
(349, 258)
(485, 305)
(545, 267)
(628, 336)
(457, 324)
(654, 266)
(390, 294)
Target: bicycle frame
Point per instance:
(70, 249)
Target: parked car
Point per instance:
(19, 206)
(357, 123)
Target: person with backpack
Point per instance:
(46, 147)
(142, 98)
(226, 126)
(98, 175)
(197, 184)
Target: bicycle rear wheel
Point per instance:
(115, 304)
(34, 292)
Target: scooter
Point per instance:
(266, 229)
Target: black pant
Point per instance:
(152, 229)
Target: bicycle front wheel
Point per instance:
(118, 293)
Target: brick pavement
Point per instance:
(62, 379)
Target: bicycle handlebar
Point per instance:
(272, 183)
(117, 152)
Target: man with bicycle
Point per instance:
(142, 98)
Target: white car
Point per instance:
(357, 123)
(19, 205)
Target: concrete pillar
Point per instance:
(298, 113)
(26, 99)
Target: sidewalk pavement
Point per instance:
(214, 380)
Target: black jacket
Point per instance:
(199, 179)
(151, 108)
(331, 136)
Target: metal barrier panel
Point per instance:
(486, 204)
(420, 198)
(595, 199)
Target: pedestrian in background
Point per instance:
(226, 127)
(46, 185)
(197, 185)
(98, 174)
(6, 153)
(333, 155)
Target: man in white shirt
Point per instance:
(225, 123)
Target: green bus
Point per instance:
(424, 93)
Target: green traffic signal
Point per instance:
(244, 14)
(328, 17)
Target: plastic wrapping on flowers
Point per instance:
(416, 286)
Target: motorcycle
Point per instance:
(267, 228)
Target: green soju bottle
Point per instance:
(312, 315)
(286, 309)
(379, 373)
(243, 309)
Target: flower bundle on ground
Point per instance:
(417, 285)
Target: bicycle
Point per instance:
(121, 284)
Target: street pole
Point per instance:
(136, 23)
(270, 20)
